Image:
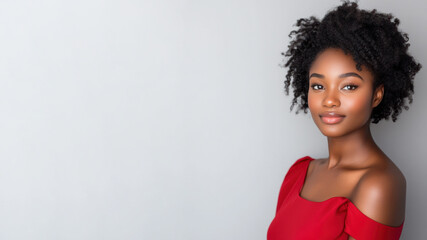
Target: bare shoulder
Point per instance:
(381, 193)
(315, 164)
(319, 161)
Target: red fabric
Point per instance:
(335, 218)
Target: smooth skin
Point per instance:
(356, 167)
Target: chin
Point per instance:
(338, 130)
(332, 132)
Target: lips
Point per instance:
(331, 117)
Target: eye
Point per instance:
(350, 87)
(316, 86)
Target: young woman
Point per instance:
(349, 69)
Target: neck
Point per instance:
(352, 149)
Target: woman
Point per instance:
(349, 69)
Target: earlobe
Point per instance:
(378, 95)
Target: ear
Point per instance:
(378, 96)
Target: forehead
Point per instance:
(333, 62)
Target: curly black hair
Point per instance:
(371, 38)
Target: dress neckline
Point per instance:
(349, 203)
(301, 185)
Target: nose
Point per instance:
(331, 100)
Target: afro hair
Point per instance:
(371, 38)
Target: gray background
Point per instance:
(167, 119)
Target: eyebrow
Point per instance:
(344, 75)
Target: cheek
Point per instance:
(313, 101)
(360, 105)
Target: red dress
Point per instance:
(335, 218)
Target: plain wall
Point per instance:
(167, 119)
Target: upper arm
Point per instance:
(380, 195)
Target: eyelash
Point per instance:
(352, 86)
